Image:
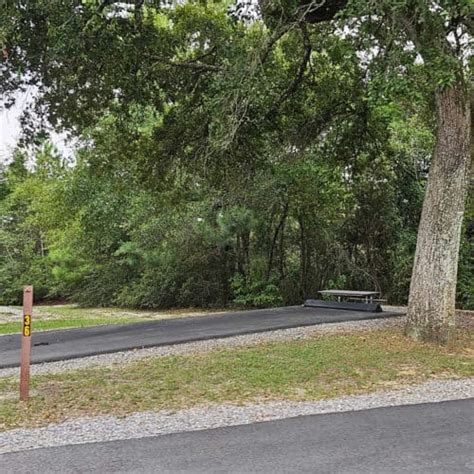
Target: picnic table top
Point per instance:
(348, 293)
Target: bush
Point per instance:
(257, 294)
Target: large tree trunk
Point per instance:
(433, 285)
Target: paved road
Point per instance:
(73, 343)
(429, 438)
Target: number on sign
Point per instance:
(26, 325)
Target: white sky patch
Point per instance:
(246, 11)
(419, 60)
(10, 130)
(9, 133)
(367, 56)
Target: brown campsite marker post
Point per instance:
(26, 343)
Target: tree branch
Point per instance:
(299, 76)
(196, 65)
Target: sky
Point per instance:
(10, 130)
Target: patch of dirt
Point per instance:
(465, 319)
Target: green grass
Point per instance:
(318, 368)
(45, 325)
(71, 316)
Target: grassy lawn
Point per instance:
(71, 316)
(317, 368)
(44, 325)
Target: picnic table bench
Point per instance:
(368, 296)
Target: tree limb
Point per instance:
(196, 65)
(299, 76)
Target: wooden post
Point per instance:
(26, 343)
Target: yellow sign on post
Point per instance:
(27, 325)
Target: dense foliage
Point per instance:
(219, 161)
(297, 225)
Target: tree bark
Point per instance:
(273, 244)
(431, 308)
(303, 257)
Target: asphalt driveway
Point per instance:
(57, 345)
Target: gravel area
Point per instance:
(206, 346)
(10, 314)
(108, 428)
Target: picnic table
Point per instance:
(346, 294)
